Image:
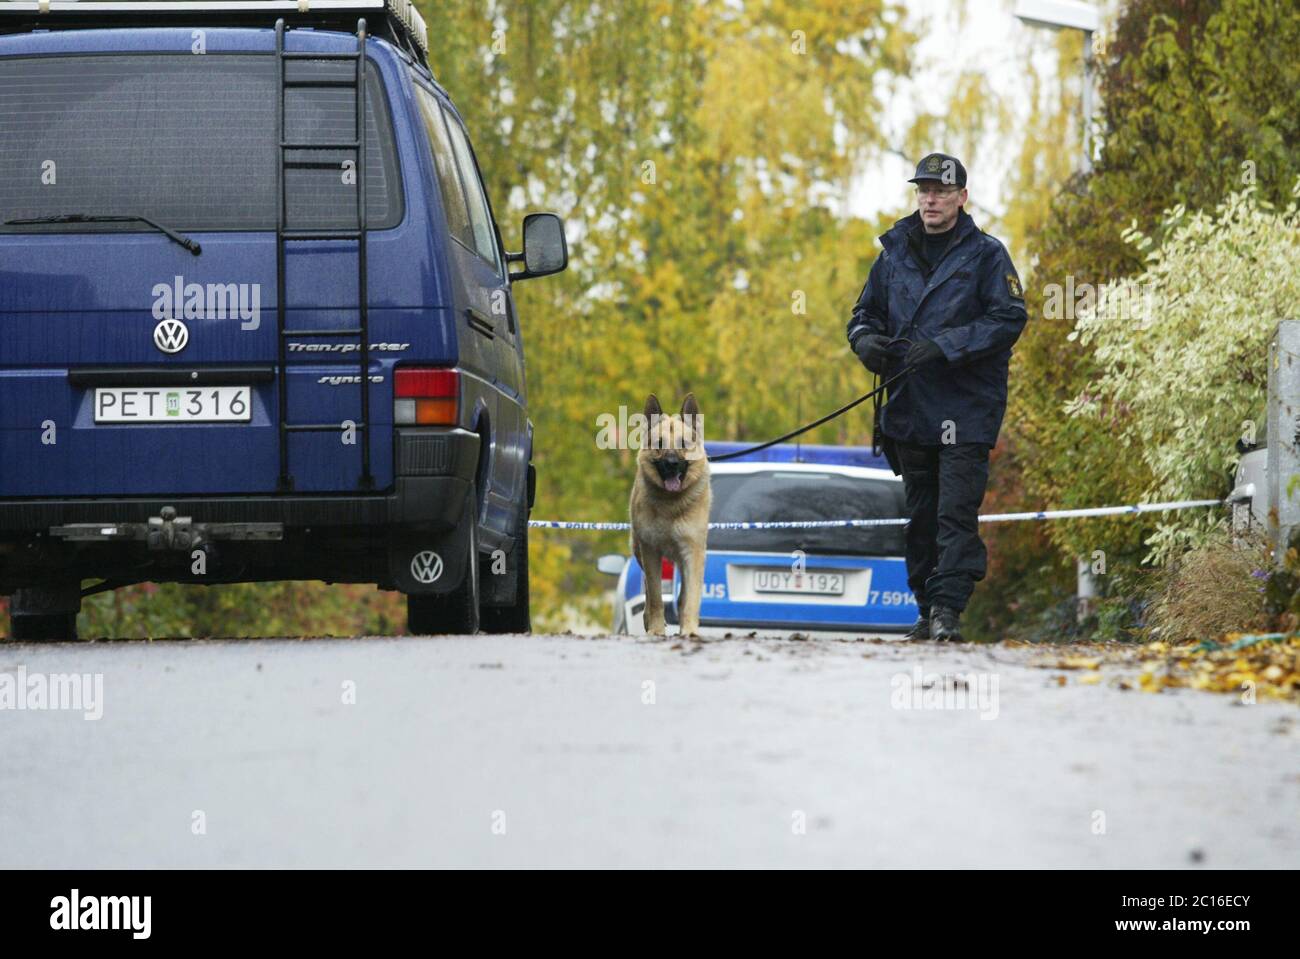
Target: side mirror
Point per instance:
(611, 564)
(545, 249)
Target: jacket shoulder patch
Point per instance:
(1013, 286)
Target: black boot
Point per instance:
(921, 628)
(944, 625)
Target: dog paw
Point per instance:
(655, 627)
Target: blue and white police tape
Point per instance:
(840, 523)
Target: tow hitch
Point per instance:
(168, 532)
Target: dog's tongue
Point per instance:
(673, 484)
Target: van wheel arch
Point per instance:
(483, 427)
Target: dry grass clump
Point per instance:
(1214, 589)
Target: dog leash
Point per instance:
(877, 437)
(829, 416)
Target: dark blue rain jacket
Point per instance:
(971, 304)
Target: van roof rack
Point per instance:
(397, 20)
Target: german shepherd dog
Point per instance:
(670, 509)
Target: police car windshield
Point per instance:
(797, 495)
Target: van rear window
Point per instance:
(187, 140)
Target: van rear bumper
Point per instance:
(439, 468)
(433, 501)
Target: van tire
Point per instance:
(515, 617)
(457, 612)
(45, 628)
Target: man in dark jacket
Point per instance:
(943, 298)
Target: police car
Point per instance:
(837, 579)
(258, 317)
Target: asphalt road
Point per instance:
(565, 750)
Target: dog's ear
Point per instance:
(693, 420)
(652, 407)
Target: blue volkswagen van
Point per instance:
(256, 315)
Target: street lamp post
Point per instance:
(1069, 15)
(1073, 15)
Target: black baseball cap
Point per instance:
(941, 167)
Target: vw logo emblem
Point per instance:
(426, 566)
(170, 336)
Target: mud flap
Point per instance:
(433, 562)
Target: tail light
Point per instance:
(666, 574)
(425, 397)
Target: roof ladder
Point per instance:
(284, 236)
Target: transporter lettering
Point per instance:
(346, 347)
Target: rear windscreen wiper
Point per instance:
(184, 241)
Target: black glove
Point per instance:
(872, 350)
(923, 352)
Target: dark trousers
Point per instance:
(944, 486)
